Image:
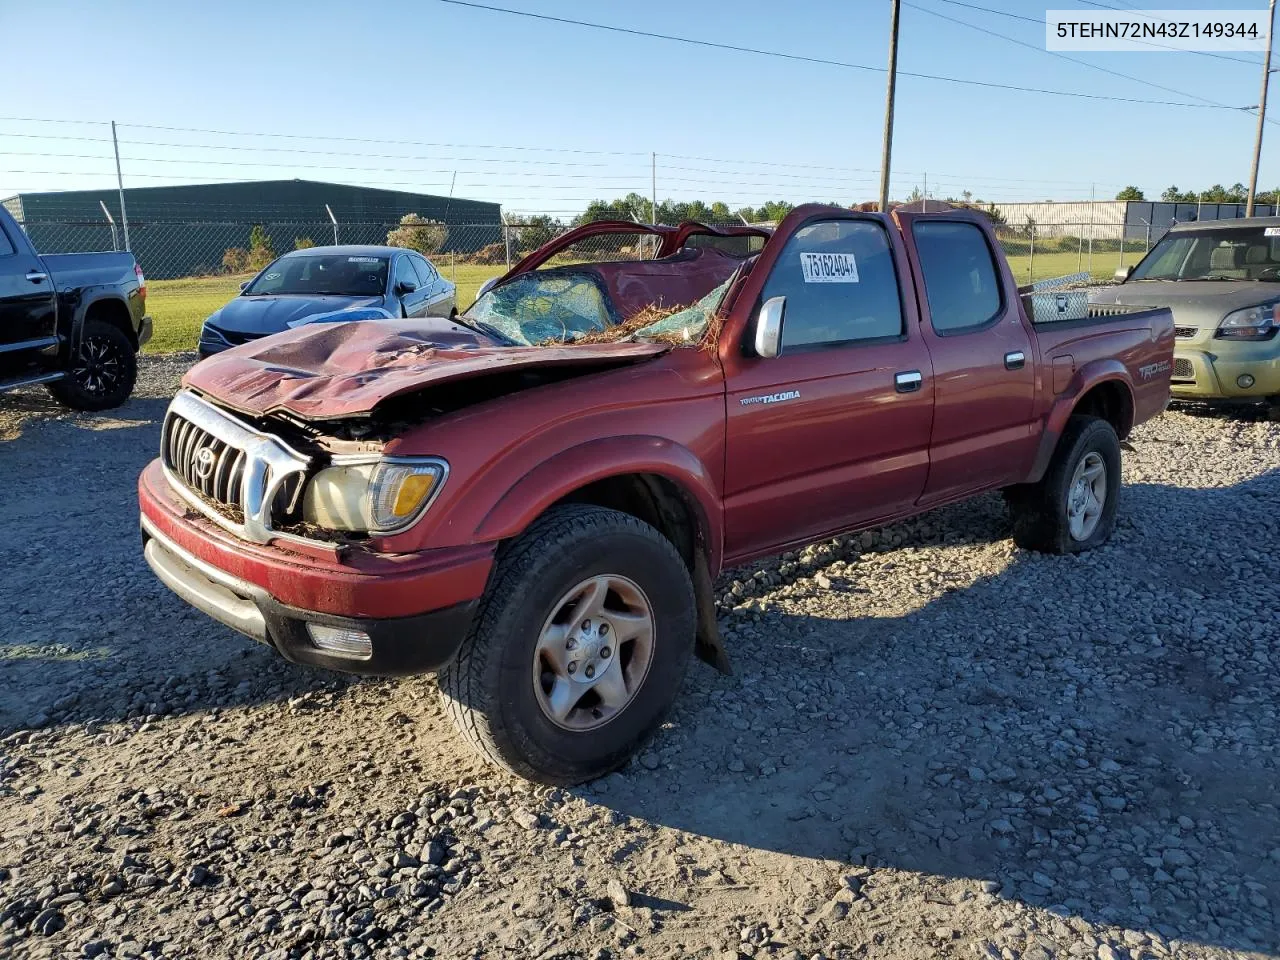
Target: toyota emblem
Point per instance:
(205, 460)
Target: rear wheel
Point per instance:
(1073, 507)
(578, 648)
(102, 372)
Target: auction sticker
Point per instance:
(362, 259)
(829, 267)
(1271, 232)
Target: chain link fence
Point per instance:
(194, 267)
(1039, 251)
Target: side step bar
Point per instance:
(32, 381)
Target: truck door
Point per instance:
(834, 430)
(983, 356)
(27, 318)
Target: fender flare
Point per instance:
(1092, 374)
(573, 468)
(82, 299)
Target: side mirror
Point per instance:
(244, 285)
(768, 335)
(406, 286)
(1122, 274)
(487, 286)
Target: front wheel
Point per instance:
(1073, 507)
(103, 370)
(578, 648)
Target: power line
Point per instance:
(405, 143)
(1063, 56)
(815, 181)
(844, 64)
(1003, 13)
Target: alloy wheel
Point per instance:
(593, 652)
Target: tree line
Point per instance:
(1236, 193)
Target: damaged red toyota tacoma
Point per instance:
(534, 500)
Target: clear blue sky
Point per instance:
(424, 71)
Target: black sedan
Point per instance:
(303, 285)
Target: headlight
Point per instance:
(1251, 323)
(379, 496)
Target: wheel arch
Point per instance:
(108, 308)
(656, 481)
(1103, 390)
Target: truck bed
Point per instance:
(89, 269)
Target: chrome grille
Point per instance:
(1185, 333)
(238, 476)
(1183, 370)
(203, 462)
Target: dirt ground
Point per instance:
(934, 745)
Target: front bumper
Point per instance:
(1211, 370)
(416, 610)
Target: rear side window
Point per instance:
(6, 248)
(960, 277)
(426, 274)
(840, 284)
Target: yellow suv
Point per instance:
(1221, 279)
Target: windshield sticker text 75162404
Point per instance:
(829, 267)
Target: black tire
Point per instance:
(103, 371)
(488, 689)
(1040, 510)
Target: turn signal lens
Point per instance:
(413, 490)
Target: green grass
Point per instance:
(1057, 263)
(178, 307)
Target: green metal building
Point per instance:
(181, 231)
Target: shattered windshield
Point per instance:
(537, 307)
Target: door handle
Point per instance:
(908, 381)
(35, 276)
(1015, 360)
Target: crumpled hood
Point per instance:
(1195, 303)
(263, 315)
(335, 370)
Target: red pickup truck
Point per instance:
(535, 499)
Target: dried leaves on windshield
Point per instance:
(696, 325)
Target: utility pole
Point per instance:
(124, 217)
(1262, 114)
(924, 196)
(888, 105)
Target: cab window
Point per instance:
(961, 282)
(840, 283)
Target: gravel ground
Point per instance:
(935, 745)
